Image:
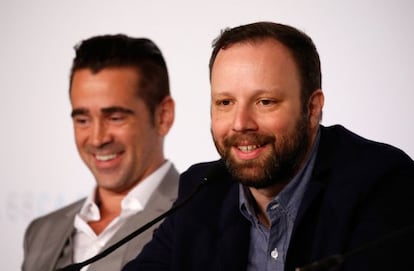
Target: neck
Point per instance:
(262, 199)
(109, 208)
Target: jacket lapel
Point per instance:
(305, 223)
(57, 248)
(234, 230)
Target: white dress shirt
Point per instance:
(86, 243)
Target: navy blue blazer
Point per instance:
(360, 191)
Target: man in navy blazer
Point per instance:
(288, 192)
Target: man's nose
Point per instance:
(244, 119)
(100, 134)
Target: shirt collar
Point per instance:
(134, 201)
(139, 196)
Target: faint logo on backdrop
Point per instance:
(20, 206)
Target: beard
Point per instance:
(278, 165)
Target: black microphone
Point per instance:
(337, 259)
(212, 173)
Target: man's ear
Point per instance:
(315, 106)
(165, 115)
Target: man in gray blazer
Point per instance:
(121, 111)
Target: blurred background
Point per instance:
(366, 50)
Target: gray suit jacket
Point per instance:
(47, 241)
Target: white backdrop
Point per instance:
(367, 54)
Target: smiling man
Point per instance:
(288, 191)
(121, 112)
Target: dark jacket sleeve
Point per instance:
(364, 203)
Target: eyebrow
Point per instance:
(116, 109)
(78, 111)
(106, 111)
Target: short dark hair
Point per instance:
(111, 51)
(300, 45)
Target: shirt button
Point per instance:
(274, 253)
(274, 206)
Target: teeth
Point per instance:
(248, 148)
(105, 157)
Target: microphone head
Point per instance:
(215, 172)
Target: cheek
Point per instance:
(80, 137)
(276, 126)
(281, 122)
(279, 126)
(132, 140)
(140, 139)
(220, 123)
(219, 129)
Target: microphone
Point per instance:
(212, 173)
(337, 259)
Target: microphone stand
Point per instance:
(78, 266)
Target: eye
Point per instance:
(223, 102)
(116, 117)
(266, 102)
(223, 105)
(81, 120)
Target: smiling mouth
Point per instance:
(248, 148)
(105, 157)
